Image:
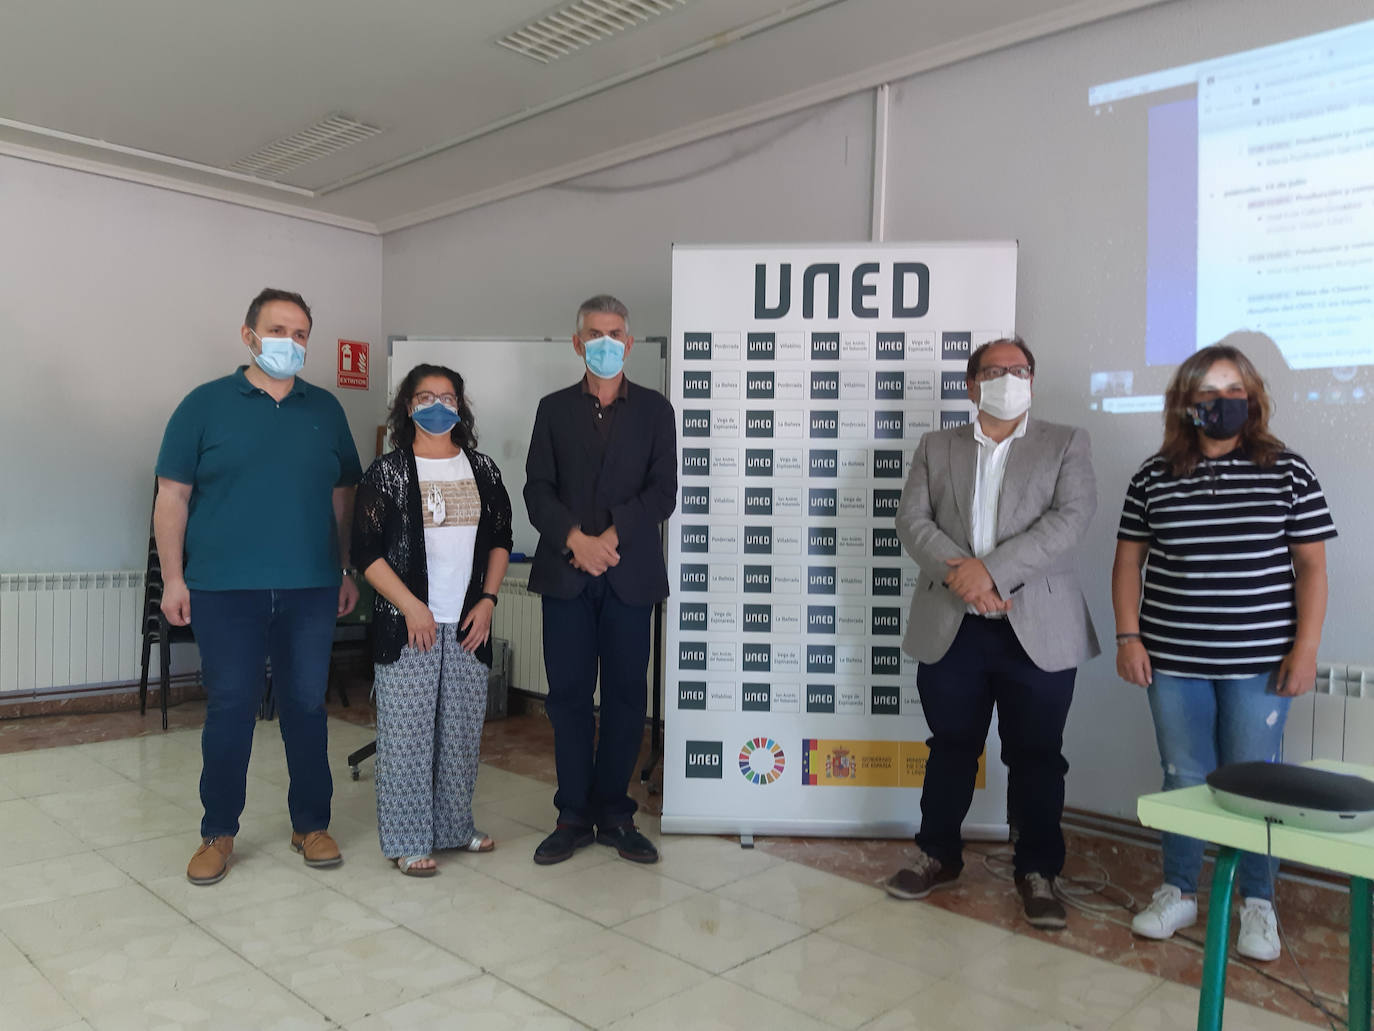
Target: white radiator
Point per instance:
(79, 629)
(519, 620)
(69, 629)
(1336, 721)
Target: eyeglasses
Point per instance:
(424, 397)
(988, 372)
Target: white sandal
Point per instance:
(406, 864)
(480, 843)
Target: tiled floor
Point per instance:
(99, 928)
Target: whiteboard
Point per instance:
(504, 380)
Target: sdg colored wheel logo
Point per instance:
(761, 760)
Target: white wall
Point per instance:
(115, 300)
(1001, 146)
(519, 268)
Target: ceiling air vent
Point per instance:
(327, 137)
(580, 24)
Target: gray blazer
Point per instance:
(1048, 498)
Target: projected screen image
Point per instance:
(1259, 208)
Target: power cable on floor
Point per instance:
(1076, 892)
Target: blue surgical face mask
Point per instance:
(279, 357)
(605, 356)
(435, 418)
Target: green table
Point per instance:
(1192, 811)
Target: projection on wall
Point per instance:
(1259, 207)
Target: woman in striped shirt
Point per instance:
(1229, 528)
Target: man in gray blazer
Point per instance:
(993, 513)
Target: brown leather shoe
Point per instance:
(318, 848)
(211, 861)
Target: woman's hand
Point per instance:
(420, 627)
(1297, 673)
(477, 623)
(1133, 663)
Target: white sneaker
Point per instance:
(1167, 912)
(1259, 931)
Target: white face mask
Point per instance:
(1007, 397)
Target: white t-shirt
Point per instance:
(451, 506)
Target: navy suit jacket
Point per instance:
(636, 482)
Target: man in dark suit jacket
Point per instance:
(993, 513)
(601, 477)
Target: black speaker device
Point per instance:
(1295, 796)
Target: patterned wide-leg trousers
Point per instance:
(430, 708)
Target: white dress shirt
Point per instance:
(987, 487)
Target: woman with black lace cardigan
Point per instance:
(432, 535)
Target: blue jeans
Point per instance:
(596, 632)
(238, 631)
(1203, 724)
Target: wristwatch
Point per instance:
(491, 598)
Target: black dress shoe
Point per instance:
(629, 843)
(562, 843)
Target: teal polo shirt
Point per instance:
(262, 476)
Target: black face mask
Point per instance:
(1222, 417)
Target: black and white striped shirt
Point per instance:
(1219, 598)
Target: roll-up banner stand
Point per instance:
(803, 377)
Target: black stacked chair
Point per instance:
(351, 634)
(157, 630)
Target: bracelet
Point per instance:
(1123, 638)
(491, 598)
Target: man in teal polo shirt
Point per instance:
(255, 494)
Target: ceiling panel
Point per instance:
(211, 83)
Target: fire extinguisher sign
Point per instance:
(353, 364)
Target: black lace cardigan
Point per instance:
(388, 523)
